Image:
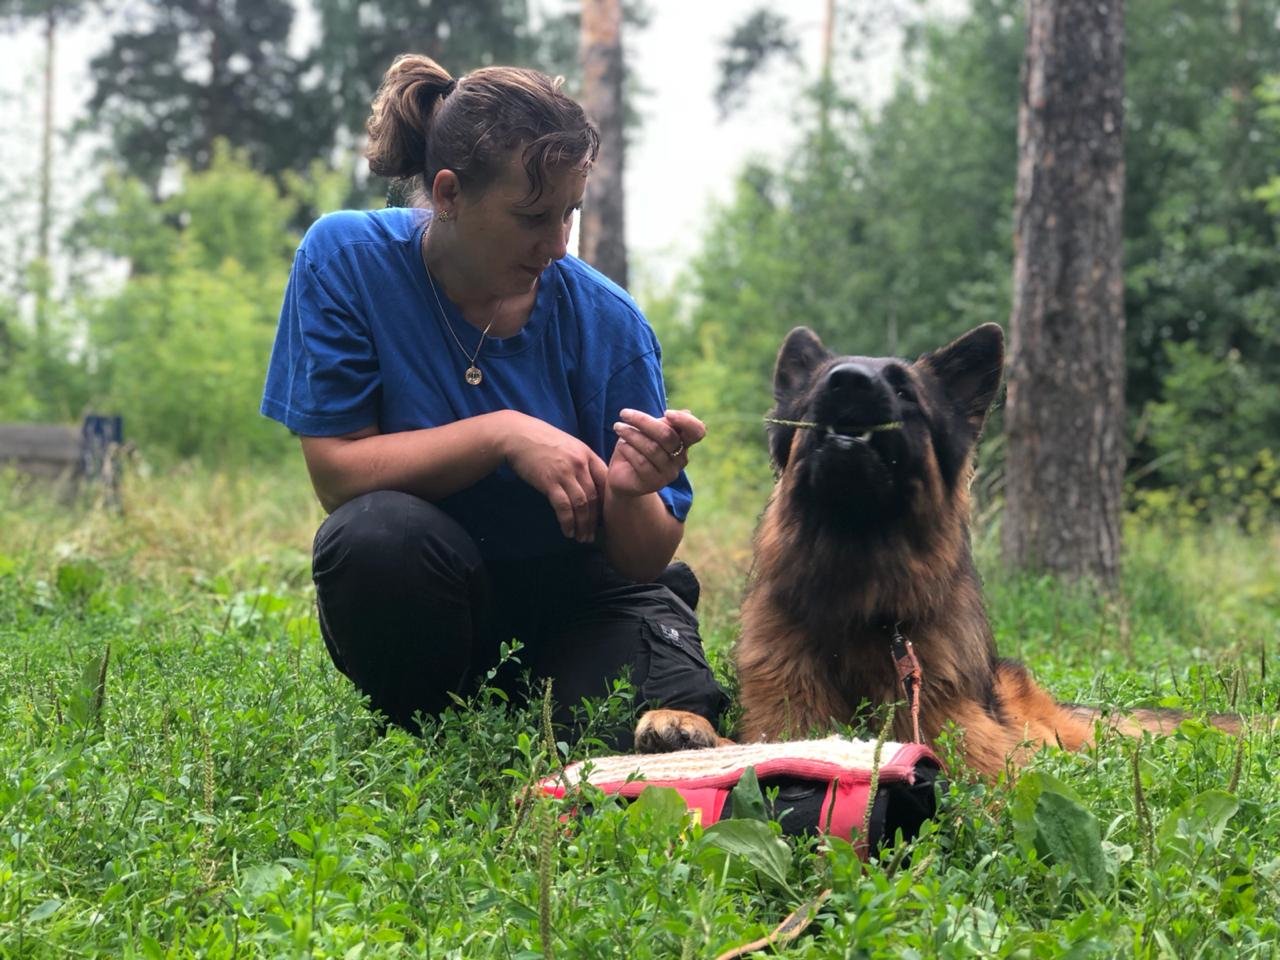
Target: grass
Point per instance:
(183, 773)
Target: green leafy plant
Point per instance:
(220, 790)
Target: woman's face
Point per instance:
(507, 242)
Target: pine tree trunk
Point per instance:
(601, 231)
(1065, 408)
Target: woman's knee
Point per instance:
(403, 599)
(388, 533)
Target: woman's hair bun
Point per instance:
(403, 109)
(421, 126)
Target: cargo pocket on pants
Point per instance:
(672, 672)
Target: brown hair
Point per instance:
(424, 121)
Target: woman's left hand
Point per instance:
(651, 451)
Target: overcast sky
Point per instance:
(682, 161)
(684, 158)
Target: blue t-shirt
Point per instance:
(361, 342)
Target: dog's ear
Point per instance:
(969, 370)
(799, 355)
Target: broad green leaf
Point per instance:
(1026, 796)
(85, 701)
(302, 840)
(660, 808)
(263, 878)
(756, 843)
(1068, 833)
(748, 801)
(45, 910)
(276, 923)
(1049, 817)
(1201, 819)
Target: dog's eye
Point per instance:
(901, 384)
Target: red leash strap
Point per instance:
(909, 675)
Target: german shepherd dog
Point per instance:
(864, 545)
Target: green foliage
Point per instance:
(885, 234)
(181, 351)
(179, 75)
(40, 381)
(61, 12)
(755, 844)
(763, 36)
(1203, 256)
(219, 790)
(1209, 429)
(358, 41)
(1268, 94)
(746, 800)
(889, 232)
(1051, 821)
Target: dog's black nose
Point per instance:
(851, 380)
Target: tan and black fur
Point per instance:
(866, 531)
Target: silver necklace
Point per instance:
(473, 376)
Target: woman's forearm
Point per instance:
(431, 463)
(640, 534)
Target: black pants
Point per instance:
(411, 612)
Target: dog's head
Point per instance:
(868, 437)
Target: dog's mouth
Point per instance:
(856, 432)
(859, 432)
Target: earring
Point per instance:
(444, 216)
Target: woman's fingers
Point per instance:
(576, 507)
(584, 489)
(657, 439)
(558, 497)
(689, 427)
(665, 461)
(568, 473)
(642, 465)
(599, 474)
(583, 525)
(598, 477)
(586, 502)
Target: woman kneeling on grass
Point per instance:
(484, 418)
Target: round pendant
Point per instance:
(474, 376)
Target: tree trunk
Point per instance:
(42, 274)
(827, 87)
(601, 231)
(1065, 407)
(218, 108)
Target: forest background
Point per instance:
(182, 771)
(886, 227)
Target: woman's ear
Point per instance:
(446, 191)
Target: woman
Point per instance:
(484, 417)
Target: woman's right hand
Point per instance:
(563, 469)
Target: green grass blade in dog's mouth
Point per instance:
(864, 434)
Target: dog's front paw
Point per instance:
(662, 731)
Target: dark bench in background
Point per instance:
(70, 457)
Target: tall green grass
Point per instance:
(183, 773)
